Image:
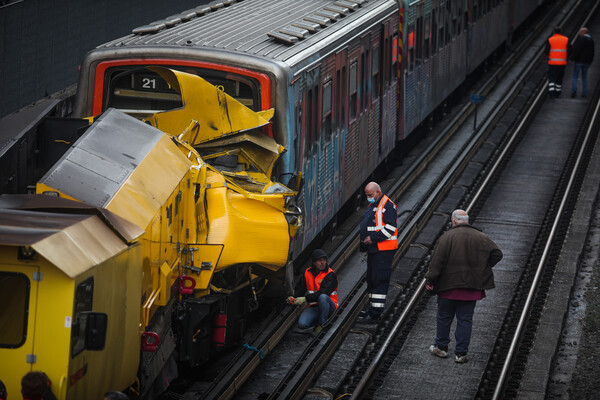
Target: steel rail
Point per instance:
(542, 262)
(539, 269)
(419, 291)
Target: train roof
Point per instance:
(71, 235)
(263, 28)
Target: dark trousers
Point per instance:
(379, 271)
(463, 310)
(555, 78)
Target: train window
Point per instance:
(367, 66)
(139, 91)
(344, 93)
(419, 40)
(411, 47)
(434, 32)
(338, 99)
(353, 89)
(363, 80)
(84, 296)
(309, 118)
(394, 69)
(426, 36)
(326, 123)
(387, 56)
(375, 72)
(14, 307)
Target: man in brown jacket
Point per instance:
(460, 271)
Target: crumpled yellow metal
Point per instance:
(217, 113)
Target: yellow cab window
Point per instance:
(84, 295)
(14, 303)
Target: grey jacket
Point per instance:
(463, 259)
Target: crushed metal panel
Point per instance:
(101, 160)
(148, 188)
(117, 154)
(210, 116)
(73, 243)
(81, 246)
(263, 150)
(42, 203)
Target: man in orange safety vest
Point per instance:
(318, 288)
(557, 49)
(378, 237)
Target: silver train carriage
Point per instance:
(349, 79)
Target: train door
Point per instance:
(18, 304)
(340, 106)
(389, 85)
(309, 140)
(328, 197)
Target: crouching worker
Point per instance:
(318, 288)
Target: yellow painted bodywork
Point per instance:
(216, 113)
(116, 275)
(198, 219)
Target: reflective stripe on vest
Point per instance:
(313, 284)
(391, 243)
(558, 50)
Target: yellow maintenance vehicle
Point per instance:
(214, 227)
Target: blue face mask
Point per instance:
(371, 200)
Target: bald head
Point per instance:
(373, 191)
(459, 217)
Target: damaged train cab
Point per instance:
(217, 227)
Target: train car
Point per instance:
(349, 79)
(327, 69)
(69, 295)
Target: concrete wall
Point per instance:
(42, 42)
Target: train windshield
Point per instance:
(140, 92)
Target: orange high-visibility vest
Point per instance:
(392, 242)
(558, 50)
(313, 284)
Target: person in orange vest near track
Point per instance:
(557, 49)
(378, 237)
(318, 288)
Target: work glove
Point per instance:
(300, 301)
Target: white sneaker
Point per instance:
(460, 359)
(433, 349)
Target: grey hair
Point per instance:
(460, 216)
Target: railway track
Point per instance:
(308, 361)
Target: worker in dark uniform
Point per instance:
(557, 49)
(378, 237)
(318, 288)
(582, 56)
